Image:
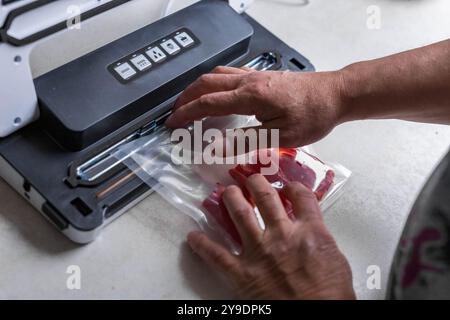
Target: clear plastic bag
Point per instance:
(195, 189)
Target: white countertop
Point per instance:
(143, 253)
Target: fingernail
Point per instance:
(192, 235)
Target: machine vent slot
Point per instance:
(297, 63)
(81, 206)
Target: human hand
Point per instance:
(289, 259)
(303, 106)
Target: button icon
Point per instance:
(156, 54)
(170, 46)
(141, 62)
(125, 71)
(184, 39)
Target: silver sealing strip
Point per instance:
(98, 166)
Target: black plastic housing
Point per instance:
(45, 165)
(82, 101)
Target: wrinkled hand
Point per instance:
(289, 259)
(304, 106)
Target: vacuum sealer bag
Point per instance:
(196, 188)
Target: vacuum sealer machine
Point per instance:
(56, 150)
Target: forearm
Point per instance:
(413, 85)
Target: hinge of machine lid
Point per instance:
(265, 61)
(240, 6)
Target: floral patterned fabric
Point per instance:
(421, 267)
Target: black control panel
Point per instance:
(153, 55)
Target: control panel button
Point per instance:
(170, 46)
(156, 54)
(125, 71)
(184, 39)
(153, 55)
(141, 62)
